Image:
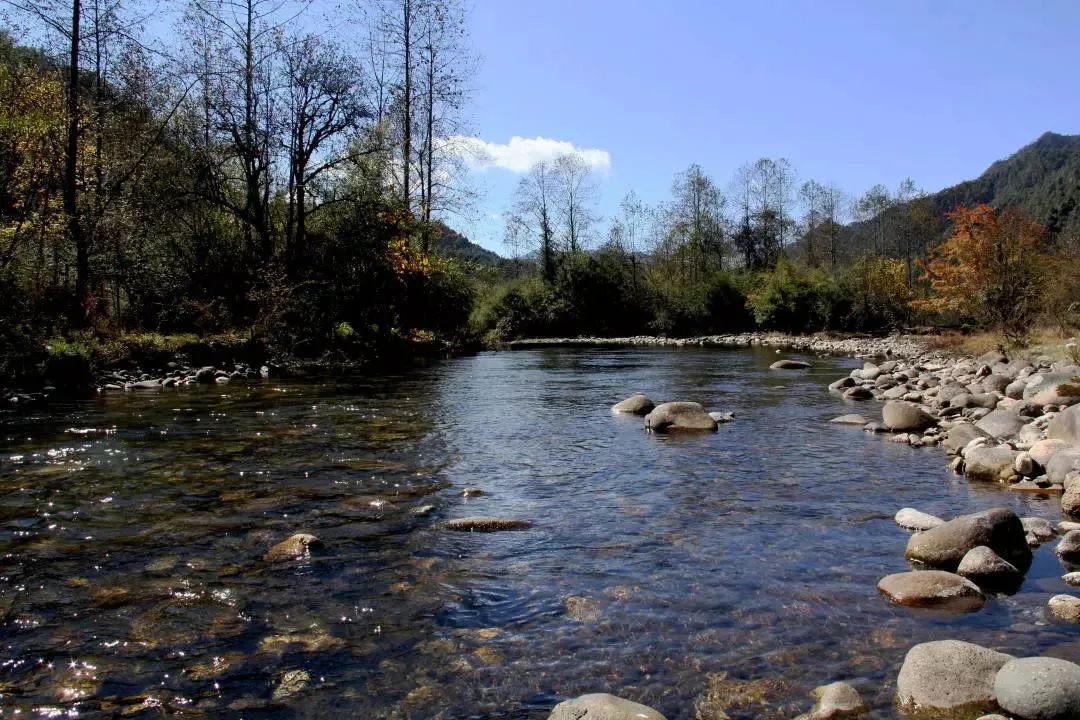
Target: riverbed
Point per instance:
(728, 571)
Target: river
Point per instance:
(731, 571)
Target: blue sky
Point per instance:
(854, 93)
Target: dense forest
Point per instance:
(241, 178)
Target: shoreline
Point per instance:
(891, 346)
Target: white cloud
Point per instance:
(520, 154)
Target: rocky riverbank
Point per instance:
(898, 346)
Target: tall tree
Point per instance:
(531, 222)
(695, 221)
(576, 198)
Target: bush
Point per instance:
(794, 298)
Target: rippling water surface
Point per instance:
(732, 571)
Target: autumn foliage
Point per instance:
(988, 271)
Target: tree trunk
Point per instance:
(71, 209)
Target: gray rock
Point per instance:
(205, 375)
(1015, 389)
(482, 523)
(1039, 527)
(1055, 388)
(990, 463)
(850, 420)
(1070, 500)
(836, 701)
(1001, 424)
(146, 385)
(950, 390)
(1065, 607)
(293, 548)
(636, 404)
(1068, 548)
(932, 589)
(1062, 463)
(679, 416)
(946, 545)
(996, 383)
(1066, 424)
(949, 676)
(1043, 450)
(722, 417)
(913, 519)
(1072, 578)
(960, 435)
(858, 393)
(987, 569)
(601, 706)
(1025, 465)
(899, 415)
(1039, 688)
(790, 365)
(842, 383)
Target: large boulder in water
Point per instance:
(1065, 426)
(932, 589)
(1039, 688)
(1001, 424)
(678, 416)
(945, 546)
(1057, 388)
(636, 404)
(601, 706)
(903, 416)
(950, 678)
(990, 463)
(987, 569)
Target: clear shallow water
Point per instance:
(732, 571)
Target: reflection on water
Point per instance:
(698, 574)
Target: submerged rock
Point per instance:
(291, 683)
(836, 701)
(293, 548)
(679, 416)
(851, 419)
(1039, 688)
(946, 545)
(722, 417)
(636, 404)
(932, 589)
(486, 524)
(790, 365)
(913, 519)
(949, 676)
(601, 706)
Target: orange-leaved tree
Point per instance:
(989, 270)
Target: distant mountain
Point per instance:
(450, 243)
(1042, 178)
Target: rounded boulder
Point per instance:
(999, 529)
(949, 676)
(1039, 688)
(679, 416)
(636, 404)
(903, 416)
(601, 706)
(932, 589)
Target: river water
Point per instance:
(725, 572)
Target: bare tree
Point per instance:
(695, 220)
(531, 222)
(576, 198)
(323, 107)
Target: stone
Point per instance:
(1070, 500)
(291, 683)
(1039, 527)
(842, 383)
(950, 390)
(987, 569)
(857, 393)
(601, 706)
(679, 416)
(722, 417)
(790, 365)
(1015, 389)
(990, 463)
(486, 524)
(1072, 578)
(899, 415)
(1043, 450)
(913, 519)
(1025, 465)
(1002, 424)
(945, 546)
(1055, 388)
(293, 548)
(1063, 463)
(836, 701)
(932, 589)
(205, 375)
(949, 676)
(1068, 548)
(996, 383)
(1065, 607)
(636, 404)
(1066, 424)
(1039, 688)
(960, 435)
(146, 385)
